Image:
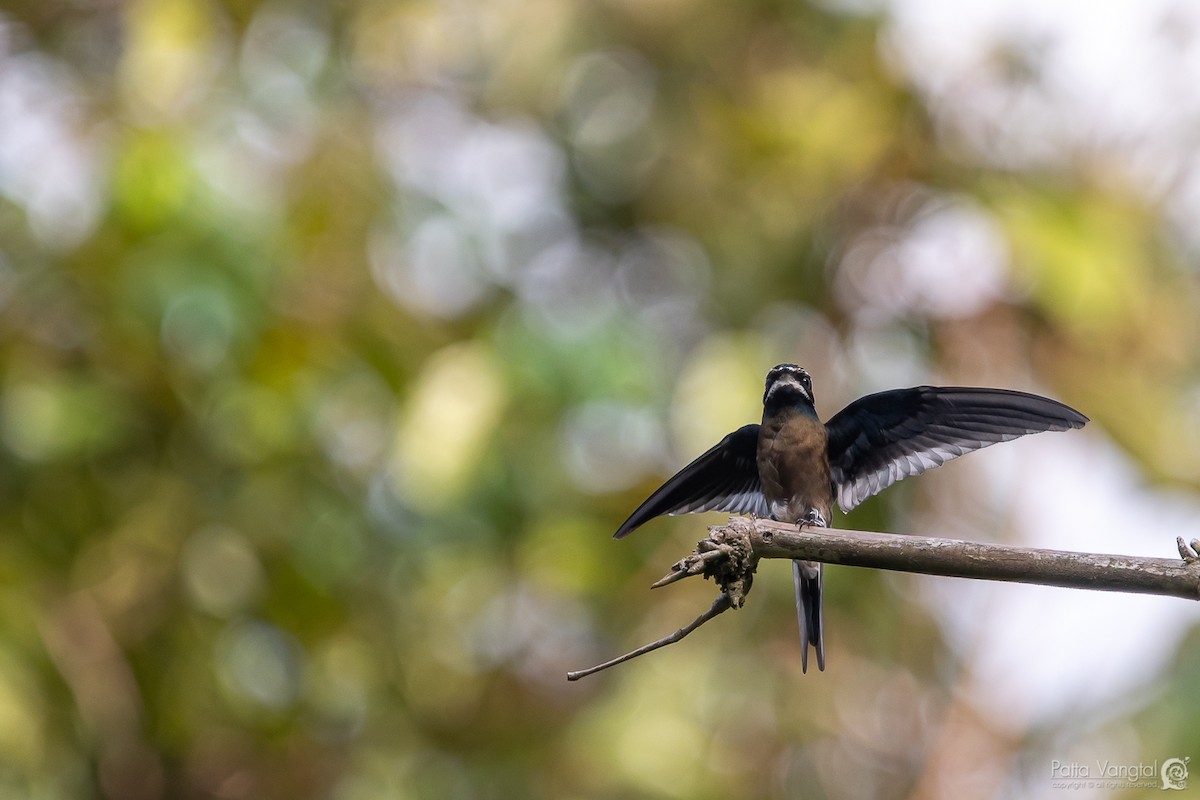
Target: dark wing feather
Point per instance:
(885, 437)
(723, 479)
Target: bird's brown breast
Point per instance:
(793, 466)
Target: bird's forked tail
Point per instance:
(807, 576)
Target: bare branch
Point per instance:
(960, 559)
(731, 553)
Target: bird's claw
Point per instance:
(813, 519)
(1188, 552)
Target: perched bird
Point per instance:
(792, 467)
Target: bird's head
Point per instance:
(788, 383)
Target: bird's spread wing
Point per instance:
(885, 437)
(723, 479)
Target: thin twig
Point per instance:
(720, 605)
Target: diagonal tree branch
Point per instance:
(719, 606)
(731, 553)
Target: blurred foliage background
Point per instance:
(338, 338)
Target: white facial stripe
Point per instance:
(788, 379)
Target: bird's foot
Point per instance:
(814, 519)
(1188, 552)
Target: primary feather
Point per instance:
(723, 479)
(885, 437)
